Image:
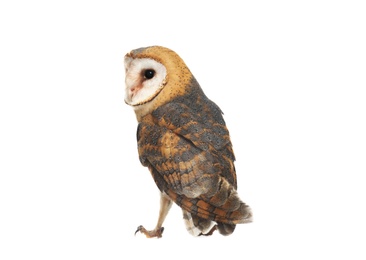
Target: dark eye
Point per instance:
(149, 74)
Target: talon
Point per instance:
(209, 233)
(139, 228)
(149, 234)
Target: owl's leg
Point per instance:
(197, 226)
(209, 233)
(224, 229)
(165, 205)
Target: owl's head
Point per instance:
(154, 76)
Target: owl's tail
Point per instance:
(222, 205)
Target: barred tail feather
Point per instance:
(224, 206)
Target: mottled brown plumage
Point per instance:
(183, 140)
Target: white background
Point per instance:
(289, 76)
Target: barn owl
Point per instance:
(183, 140)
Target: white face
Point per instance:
(145, 78)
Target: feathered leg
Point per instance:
(165, 205)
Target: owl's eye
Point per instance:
(149, 73)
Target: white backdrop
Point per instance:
(289, 76)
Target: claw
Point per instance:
(139, 229)
(149, 234)
(209, 233)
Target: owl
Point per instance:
(183, 140)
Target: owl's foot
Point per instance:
(209, 233)
(157, 232)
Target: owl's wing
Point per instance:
(191, 160)
(188, 150)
